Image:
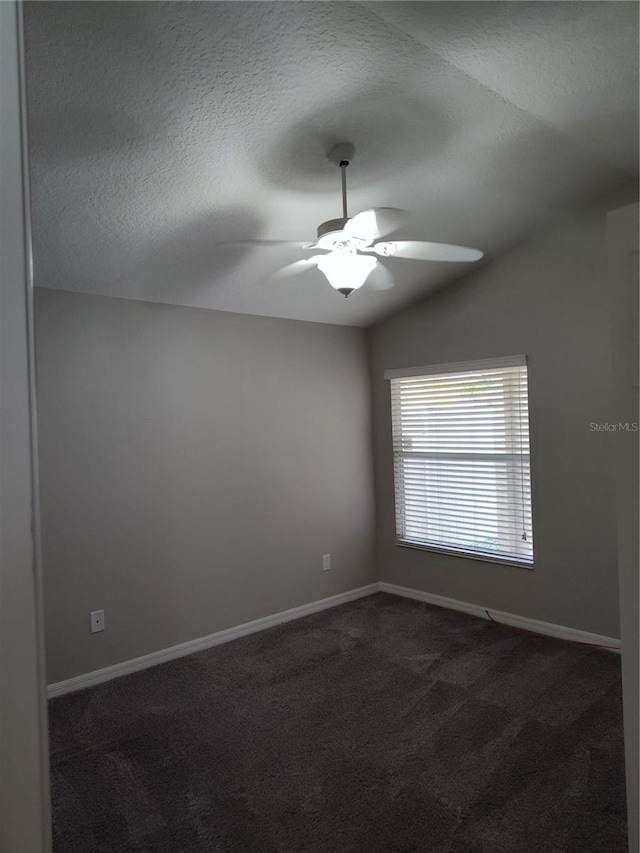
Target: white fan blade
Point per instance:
(291, 244)
(419, 250)
(295, 268)
(380, 278)
(375, 223)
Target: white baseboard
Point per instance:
(90, 679)
(547, 628)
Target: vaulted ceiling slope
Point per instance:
(159, 130)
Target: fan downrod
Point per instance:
(340, 155)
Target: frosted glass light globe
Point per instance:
(346, 271)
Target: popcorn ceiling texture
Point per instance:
(158, 130)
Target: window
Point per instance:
(461, 459)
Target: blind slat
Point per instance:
(461, 459)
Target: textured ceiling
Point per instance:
(159, 130)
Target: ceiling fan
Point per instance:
(353, 244)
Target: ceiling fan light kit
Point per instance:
(352, 243)
(346, 270)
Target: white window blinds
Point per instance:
(461, 458)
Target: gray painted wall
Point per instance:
(194, 467)
(548, 299)
(622, 233)
(24, 780)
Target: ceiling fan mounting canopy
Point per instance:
(341, 154)
(351, 242)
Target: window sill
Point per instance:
(465, 555)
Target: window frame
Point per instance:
(454, 367)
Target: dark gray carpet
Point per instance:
(381, 725)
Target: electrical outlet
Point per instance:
(326, 562)
(97, 621)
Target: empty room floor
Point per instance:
(381, 725)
